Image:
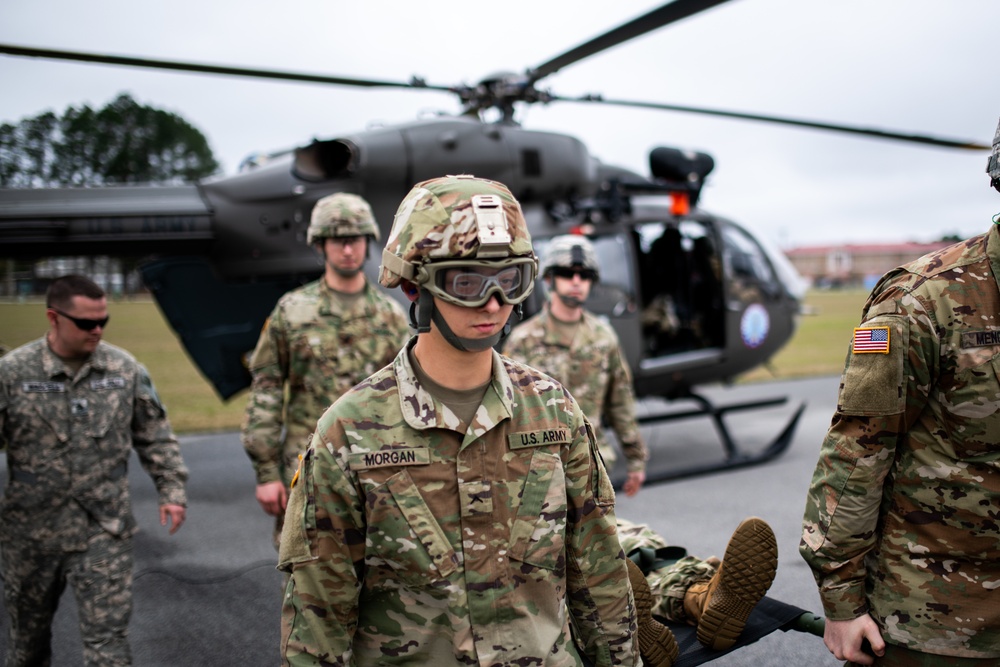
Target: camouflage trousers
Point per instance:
(101, 579)
(670, 580)
(899, 656)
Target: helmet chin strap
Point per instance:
(423, 312)
(569, 301)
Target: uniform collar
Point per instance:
(422, 411)
(993, 250)
(53, 365)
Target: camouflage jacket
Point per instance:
(593, 370)
(68, 444)
(901, 518)
(412, 538)
(315, 354)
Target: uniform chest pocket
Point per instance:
(404, 539)
(538, 536)
(971, 406)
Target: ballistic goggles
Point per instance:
(472, 283)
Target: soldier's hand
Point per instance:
(172, 515)
(845, 638)
(634, 482)
(272, 496)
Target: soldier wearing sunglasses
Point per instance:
(582, 351)
(72, 407)
(451, 509)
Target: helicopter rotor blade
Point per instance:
(149, 63)
(782, 120)
(657, 18)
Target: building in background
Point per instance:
(850, 265)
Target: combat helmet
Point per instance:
(460, 222)
(993, 166)
(341, 214)
(570, 251)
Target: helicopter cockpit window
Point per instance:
(681, 286)
(749, 266)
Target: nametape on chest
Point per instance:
(871, 340)
(113, 382)
(42, 387)
(980, 338)
(388, 458)
(552, 436)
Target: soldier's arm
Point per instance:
(881, 395)
(263, 419)
(322, 540)
(619, 411)
(155, 443)
(598, 593)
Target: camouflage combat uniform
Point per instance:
(66, 509)
(319, 354)
(901, 518)
(593, 369)
(412, 538)
(668, 583)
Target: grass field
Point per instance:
(818, 348)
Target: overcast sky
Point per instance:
(914, 65)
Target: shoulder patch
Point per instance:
(551, 436)
(387, 458)
(870, 340)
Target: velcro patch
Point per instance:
(551, 436)
(871, 340)
(980, 338)
(387, 458)
(42, 387)
(113, 382)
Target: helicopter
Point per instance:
(695, 298)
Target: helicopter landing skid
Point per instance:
(734, 457)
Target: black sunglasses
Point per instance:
(561, 272)
(83, 323)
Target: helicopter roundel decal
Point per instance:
(754, 325)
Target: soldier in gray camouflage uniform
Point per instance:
(900, 525)
(319, 341)
(582, 351)
(71, 409)
(451, 509)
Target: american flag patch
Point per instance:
(871, 339)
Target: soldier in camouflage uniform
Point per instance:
(319, 341)
(451, 509)
(715, 596)
(900, 525)
(582, 351)
(71, 409)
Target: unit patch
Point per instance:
(871, 340)
(980, 338)
(552, 436)
(386, 458)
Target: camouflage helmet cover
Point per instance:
(341, 214)
(454, 218)
(993, 166)
(568, 251)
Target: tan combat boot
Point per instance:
(721, 606)
(656, 642)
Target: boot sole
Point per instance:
(656, 642)
(748, 569)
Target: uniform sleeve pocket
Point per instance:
(873, 381)
(538, 534)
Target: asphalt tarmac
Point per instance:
(210, 594)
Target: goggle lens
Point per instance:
(474, 284)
